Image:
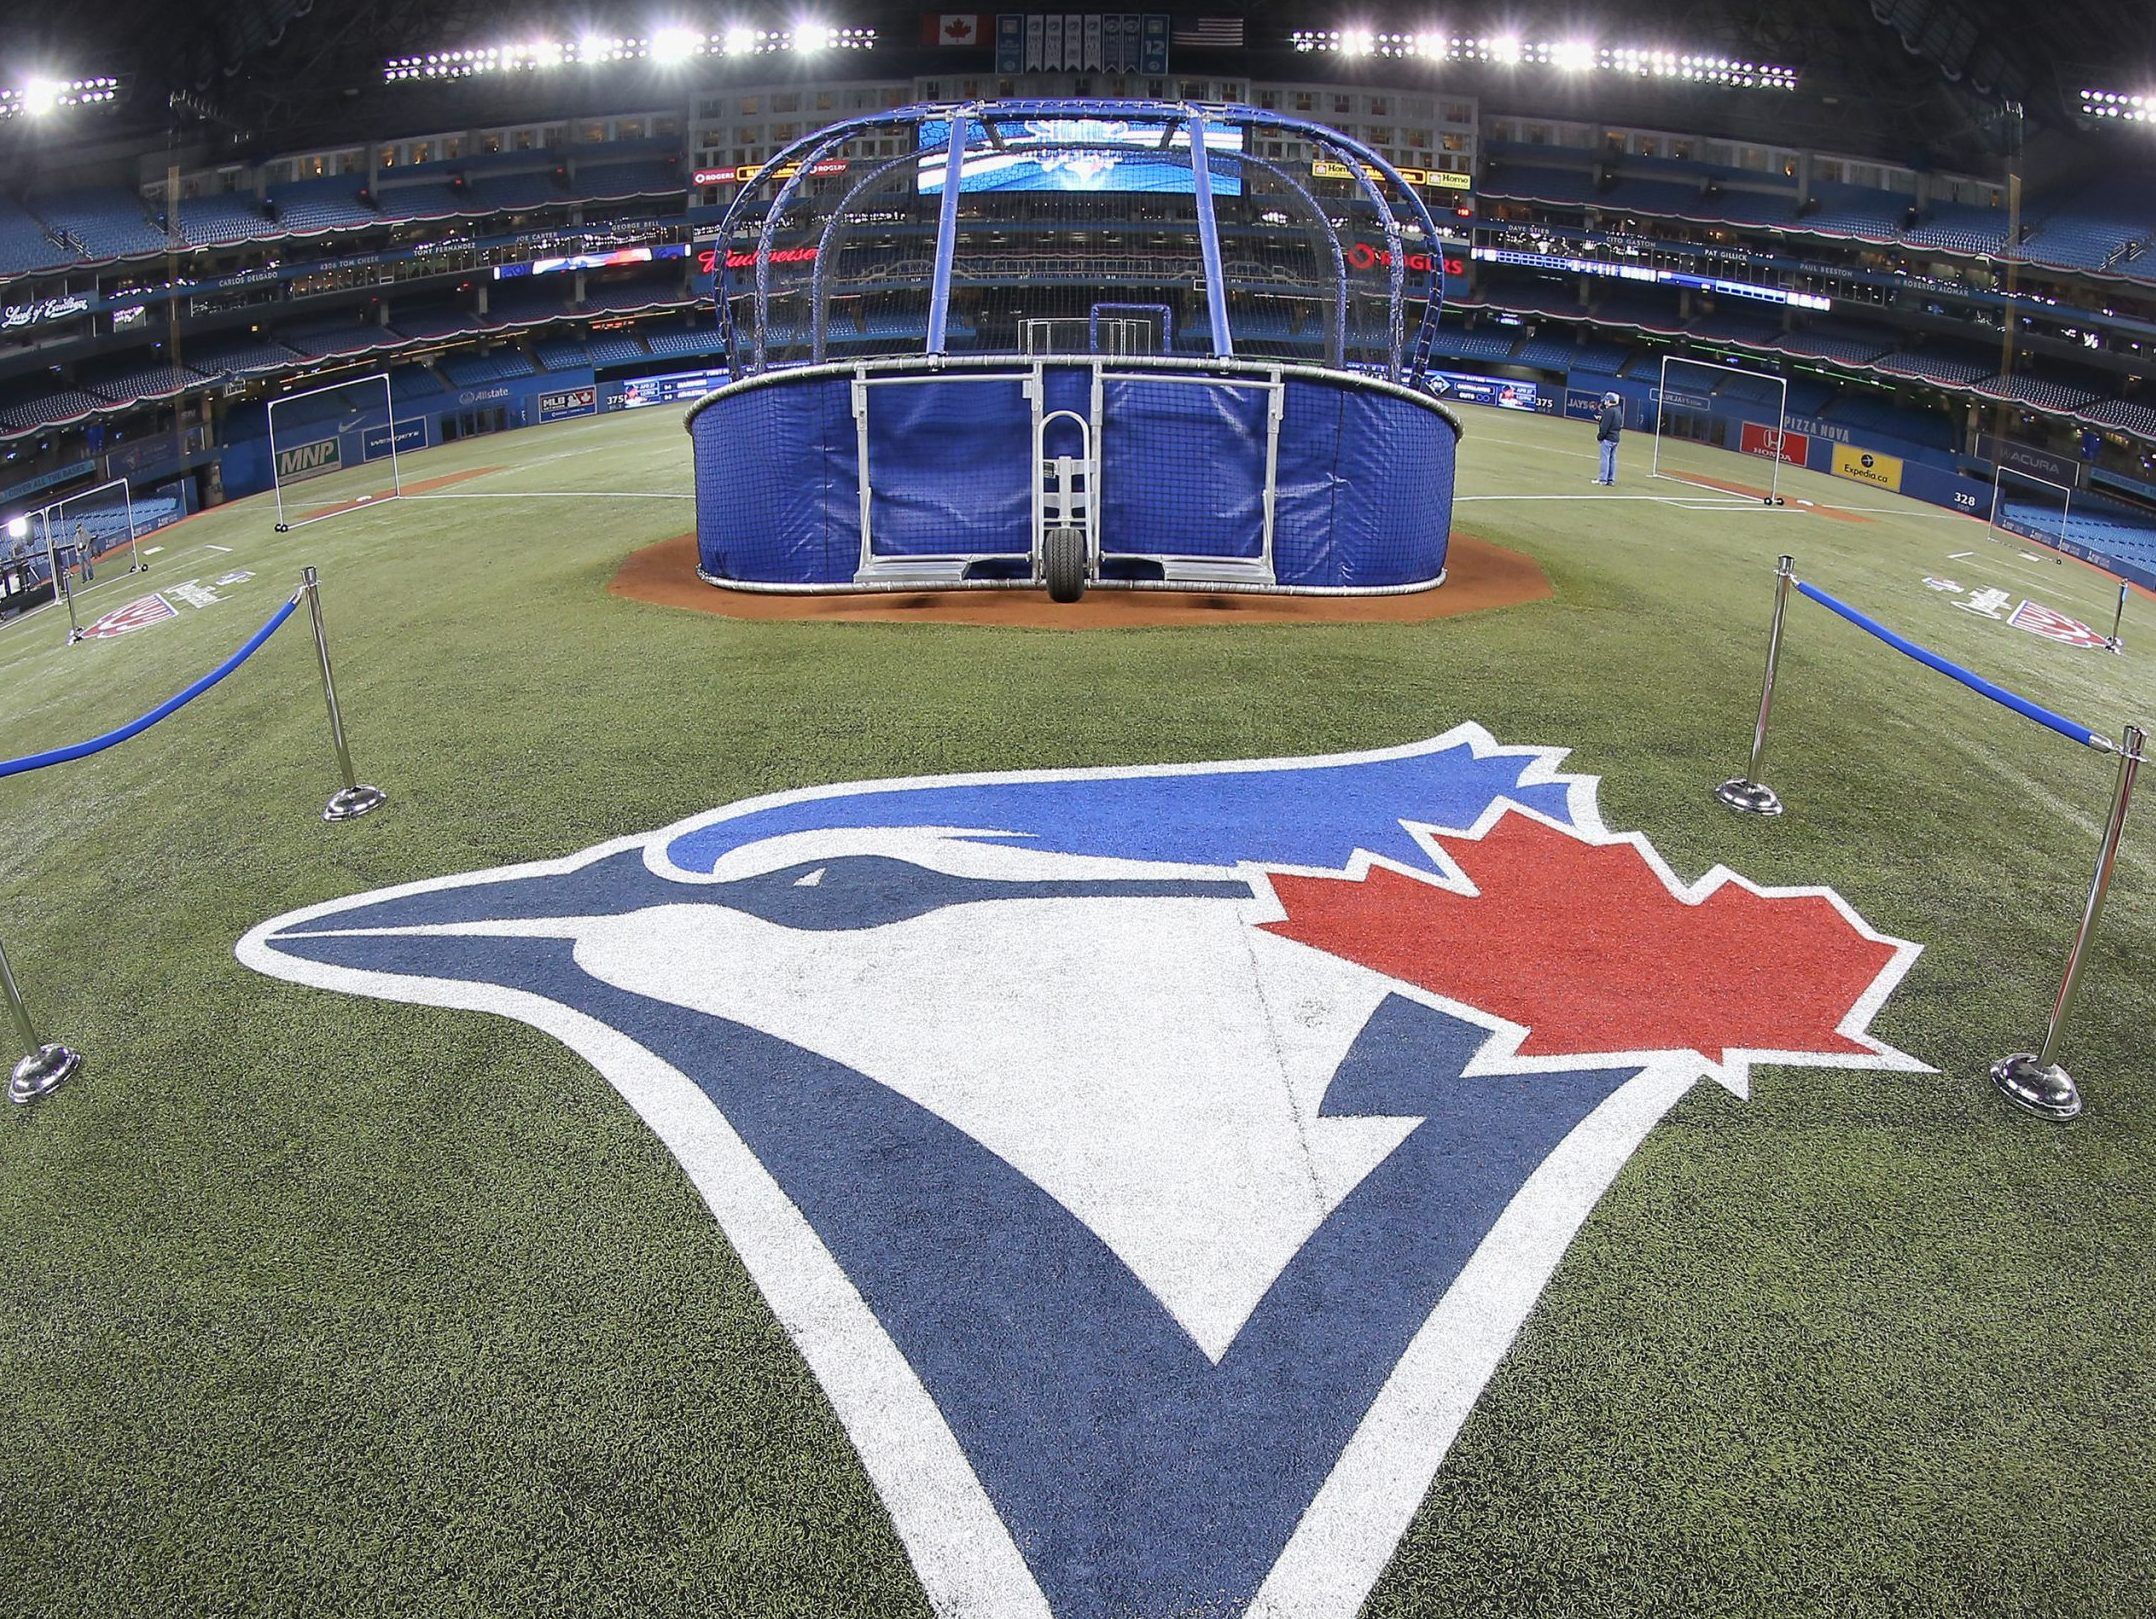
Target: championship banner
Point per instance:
(1085, 42)
(1153, 44)
(309, 460)
(1754, 438)
(1868, 466)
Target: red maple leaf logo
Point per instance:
(1592, 949)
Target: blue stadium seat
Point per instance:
(651, 177)
(617, 348)
(561, 353)
(235, 217)
(106, 222)
(1860, 211)
(24, 244)
(518, 193)
(129, 381)
(315, 207)
(240, 353)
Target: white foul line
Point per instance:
(559, 494)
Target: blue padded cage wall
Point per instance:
(969, 336)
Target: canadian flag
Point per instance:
(951, 28)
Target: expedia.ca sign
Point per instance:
(1867, 466)
(304, 461)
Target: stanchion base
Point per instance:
(1753, 797)
(41, 1073)
(284, 528)
(2049, 1093)
(350, 803)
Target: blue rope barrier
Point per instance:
(1954, 671)
(171, 705)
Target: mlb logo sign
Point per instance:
(309, 460)
(2038, 619)
(1153, 1164)
(136, 615)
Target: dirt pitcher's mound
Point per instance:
(1481, 575)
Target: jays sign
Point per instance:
(1151, 1164)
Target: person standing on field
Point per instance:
(82, 552)
(1607, 427)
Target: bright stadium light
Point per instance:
(669, 47)
(40, 96)
(18, 528)
(1583, 56)
(674, 45)
(2133, 109)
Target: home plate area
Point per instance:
(1152, 1164)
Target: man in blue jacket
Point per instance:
(1607, 427)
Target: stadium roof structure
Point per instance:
(1913, 81)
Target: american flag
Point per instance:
(1209, 32)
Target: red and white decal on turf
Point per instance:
(2038, 619)
(138, 614)
(1152, 1164)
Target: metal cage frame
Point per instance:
(1406, 361)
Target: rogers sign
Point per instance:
(1364, 256)
(707, 260)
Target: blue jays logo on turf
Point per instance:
(1151, 1164)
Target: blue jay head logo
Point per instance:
(1152, 1164)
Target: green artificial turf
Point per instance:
(313, 1304)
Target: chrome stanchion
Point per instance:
(2117, 642)
(44, 1068)
(354, 798)
(2036, 1080)
(60, 585)
(1747, 792)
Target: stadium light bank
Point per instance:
(2133, 109)
(662, 47)
(1565, 55)
(39, 97)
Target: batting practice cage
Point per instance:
(334, 449)
(1720, 428)
(1075, 343)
